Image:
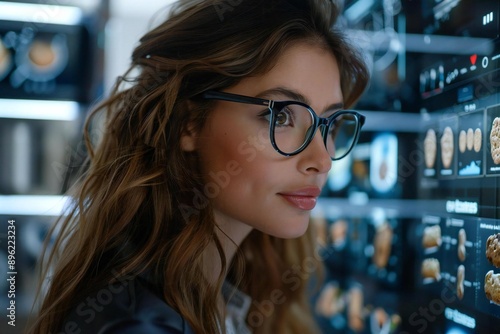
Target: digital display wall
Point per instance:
(460, 98)
(409, 223)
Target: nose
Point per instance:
(315, 158)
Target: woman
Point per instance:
(204, 178)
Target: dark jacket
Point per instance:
(125, 307)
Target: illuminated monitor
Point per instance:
(458, 258)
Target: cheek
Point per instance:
(238, 164)
(236, 167)
(233, 146)
(253, 147)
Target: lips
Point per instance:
(303, 199)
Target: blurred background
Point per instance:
(403, 222)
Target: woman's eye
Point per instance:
(284, 118)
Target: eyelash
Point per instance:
(267, 113)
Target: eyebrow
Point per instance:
(296, 96)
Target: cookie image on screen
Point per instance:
(493, 249)
(431, 269)
(432, 236)
(492, 286)
(495, 140)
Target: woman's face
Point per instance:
(249, 183)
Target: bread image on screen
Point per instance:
(432, 236)
(495, 140)
(462, 238)
(462, 141)
(447, 147)
(460, 281)
(492, 287)
(430, 143)
(478, 140)
(493, 249)
(470, 139)
(431, 269)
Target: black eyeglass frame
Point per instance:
(276, 106)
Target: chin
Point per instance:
(291, 230)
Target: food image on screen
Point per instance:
(460, 281)
(462, 141)
(355, 310)
(380, 316)
(319, 224)
(495, 140)
(430, 143)
(447, 147)
(431, 269)
(470, 139)
(478, 139)
(382, 244)
(383, 164)
(432, 236)
(492, 286)
(42, 54)
(383, 322)
(338, 232)
(382, 172)
(493, 249)
(5, 60)
(330, 301)
(462, 238)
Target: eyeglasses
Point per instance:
(293, 124)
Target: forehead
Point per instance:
(307, 69)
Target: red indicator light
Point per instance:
(473, 59)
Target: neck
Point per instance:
(231, 234)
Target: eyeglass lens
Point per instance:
(293, 126)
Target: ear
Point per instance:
(188, 139)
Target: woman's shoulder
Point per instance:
(126, 306)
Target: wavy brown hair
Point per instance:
(133, 208)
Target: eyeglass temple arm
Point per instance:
(214, 95)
